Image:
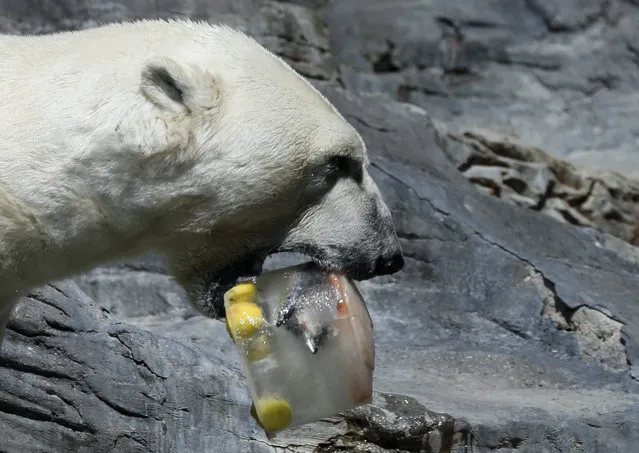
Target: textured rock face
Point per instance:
(507, 331)
(533, 179)
(559, 77)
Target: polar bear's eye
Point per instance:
(346, 167)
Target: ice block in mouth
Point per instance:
(305, 338)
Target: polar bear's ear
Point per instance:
(179, 88)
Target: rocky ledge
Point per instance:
(529, 177)
(508, 331)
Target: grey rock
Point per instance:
(521, 200)
(624, 163)
(530, 177)
(559, 209)
(400, 423)
(599, 337)
(74, 378)
(568, 15)
(297, 33)
(487, 176)
(561, 76)
(521, 181)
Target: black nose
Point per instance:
(389, 265)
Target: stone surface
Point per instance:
(559, 75)
(507, 331)
(529, 177)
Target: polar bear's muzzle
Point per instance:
(377, 254)
(348, 229)
(351, 231)
(208, 296)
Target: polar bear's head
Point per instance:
(261, 163)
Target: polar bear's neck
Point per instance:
(55, 233)
(59, 212)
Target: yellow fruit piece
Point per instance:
(242, 292)
(272, 413)
(258, 349)
(244, 319)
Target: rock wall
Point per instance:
(531, 178)
(560, 78)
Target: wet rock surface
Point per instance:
(507, 331)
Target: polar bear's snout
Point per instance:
(350, 231)
(386, 265)
(390, 265)
(391, 260)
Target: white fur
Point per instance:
(98, 161)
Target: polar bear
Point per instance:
(181, 137)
